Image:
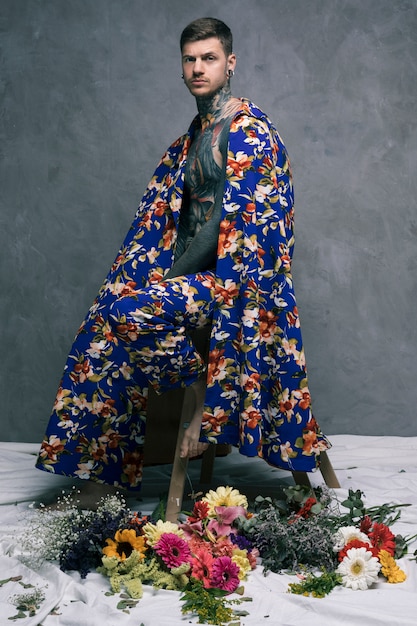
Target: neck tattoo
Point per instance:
(214, 108)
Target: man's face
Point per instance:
(205, 66)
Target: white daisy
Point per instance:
(359, 569)
(346, 534)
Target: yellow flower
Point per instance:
(124, 543)
(239, 557)
(153, 532)
(390, 569)
(224, 496)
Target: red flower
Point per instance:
(355, 543)
(365, 525)
(199, 512)
(305, 510)
(382, 538)
(202, 564)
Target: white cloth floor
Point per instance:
(384, 468)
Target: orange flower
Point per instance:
(51, 448)
(309, 441)
(132, 467)
(252, 417)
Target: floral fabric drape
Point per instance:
(257, 390)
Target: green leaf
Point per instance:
(20, 615)
(26, 585)
(13, 579)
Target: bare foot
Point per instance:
(191, 446)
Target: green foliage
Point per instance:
(383, 514)
(211, 605)
(126, 603)
(317, 586)
(13, 579)
(287, 541)
(28, 603)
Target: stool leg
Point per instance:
(328, 472)
(179, 468)
(207, 464)
(301, 478)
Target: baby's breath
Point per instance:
(28, 602)
(70, 536)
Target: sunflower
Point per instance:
(224, 496)
(390, 569)
(124, 543)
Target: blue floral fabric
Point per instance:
(257, 389)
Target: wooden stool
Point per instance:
(167, 415)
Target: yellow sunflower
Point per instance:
(124, 543)
(224, 496)
(390, 569)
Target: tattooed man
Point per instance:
(211, 245)
(208, 64)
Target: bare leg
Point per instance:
(191, 446)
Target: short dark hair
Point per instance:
(206, 27)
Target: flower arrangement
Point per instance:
(208, 554)
(306, 535)
(204, 556)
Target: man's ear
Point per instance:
(231, 62)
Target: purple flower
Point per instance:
(242, 542)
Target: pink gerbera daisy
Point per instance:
(173, 550)
(225, 574)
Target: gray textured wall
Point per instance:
(90, 97)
